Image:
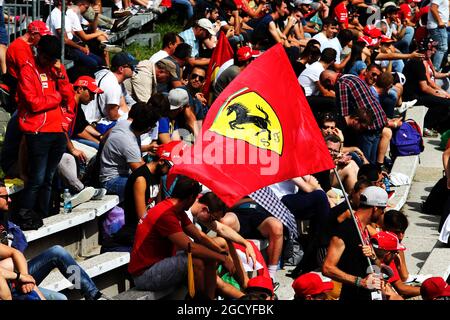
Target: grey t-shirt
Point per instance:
(121, 148)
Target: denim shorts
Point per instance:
(167, 273)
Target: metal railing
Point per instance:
(21, 12)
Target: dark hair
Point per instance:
(312, 43)
(385, 80)
(374, 66)
(355, 55)
(160, 102)
(228, 5)
(328, 55)
(185, 188)
(170, 38)
(2, 183)
(329, 22)
(144, 117)
(394, 220)
(311, 51)
(369, 171)
(214, 203)
(361, 183)
(326, 117)
(333, 138)
(345, 36)
(363, 115)
(276, 3)
(183, 51)
(50, 46)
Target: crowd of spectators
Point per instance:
(112, 129)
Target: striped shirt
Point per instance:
(353, 93)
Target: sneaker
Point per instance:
(83, 196)
(110, 48)
(99, 194)
(27, 219)
(406, 105)
(121, 13)
(120, 24)
(430, 132)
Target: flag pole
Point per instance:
(353, 216)
(190, 267)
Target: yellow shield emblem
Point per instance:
(246, 116)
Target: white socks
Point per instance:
(273, 271)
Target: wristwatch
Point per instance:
(18, 276)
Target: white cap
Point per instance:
(206, 24)
(178, 98)
(374, 196)
(299, 2)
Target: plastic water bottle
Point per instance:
(387, 184)
(67, 201)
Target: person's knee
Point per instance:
(386, 133)
(58, 251)
(275, 228)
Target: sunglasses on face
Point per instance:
(195, 76)
(334, 152)
(374, 74)
(4, 196)
(328, 127)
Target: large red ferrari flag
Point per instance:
(259, 131)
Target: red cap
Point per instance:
(245, 53)
(372, 31)
(385, 39)
(261, 282)
(417, 1)
(40, 27)
(165, 151)
(310, 284)
(87, 82)
(387, 241)
(367, 40)
(434, 287)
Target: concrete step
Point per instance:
(84, 212)
(171, 294)
(438, 263)
(94, 267)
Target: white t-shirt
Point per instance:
(284, 188)
(161, 54)
(443, 13)
(112, 91)
(72, 22)
(309, 77)
(329, 43)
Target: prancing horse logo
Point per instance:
(243, 117)
(247, 116)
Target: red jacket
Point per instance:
(41, 96)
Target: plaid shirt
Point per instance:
(353, 93)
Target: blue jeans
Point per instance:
(116, 186)
(441, 36)
(368, 144)
(90, 60)
(44, 153)
(187, 5)
(87, 142)
(405, 42)
(52, 295)
(56, 257)
(397, 65)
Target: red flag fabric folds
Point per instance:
(259, 131)
(221, 54)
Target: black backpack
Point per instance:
(8, 87)
(437, 198)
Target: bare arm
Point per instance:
(139, 188)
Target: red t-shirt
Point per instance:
(341, 14)
(396, 276)
(151, 242)
(17, 54)
(405, 12)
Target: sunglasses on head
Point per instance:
(194, 76)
